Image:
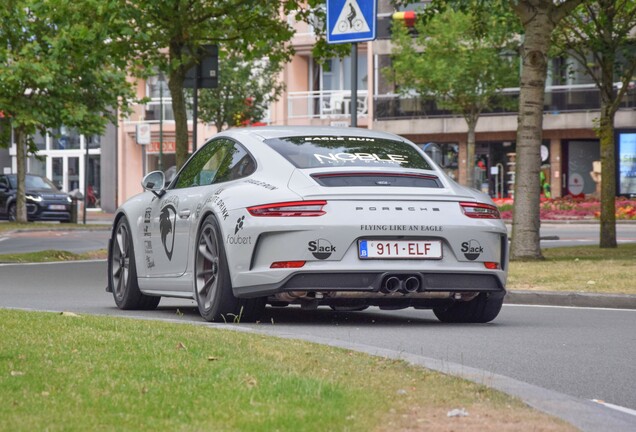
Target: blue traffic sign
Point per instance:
(351, 20)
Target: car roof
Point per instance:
(268, 132)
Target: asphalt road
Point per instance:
(584, 353)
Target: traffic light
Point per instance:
(408, 17)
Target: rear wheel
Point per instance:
(482, 309)
(212, 285)
(123, 272)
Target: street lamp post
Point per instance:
(161, 81)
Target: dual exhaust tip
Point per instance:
(407, 285)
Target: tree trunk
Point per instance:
(175, 84)
(526, 221)
(20, 144)
(180, 119)
(608, 161)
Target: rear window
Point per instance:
(342, 151)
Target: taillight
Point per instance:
(287, 264)
(293, 208)
(479, 210)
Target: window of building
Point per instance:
(94, 181)
(159, 93)
(445, 155)
(93, 142)
(39, 140)
(37, 166)
(65, 138)
(335, 74)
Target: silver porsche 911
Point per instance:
(345, 218)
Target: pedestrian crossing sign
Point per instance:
(351, 21)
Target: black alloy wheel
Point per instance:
(123, 272)
(212, 285)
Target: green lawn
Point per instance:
(64, 372)
(579, 268)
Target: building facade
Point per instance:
(320, 94)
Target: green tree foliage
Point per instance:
(61, 63)
(169, 34)
(246, 88)
(461, 69)
(538, 20)
(600, 35)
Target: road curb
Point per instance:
(577, 299)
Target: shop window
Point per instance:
(57, 165)
(73, 173)
(445, 155)
(94, 182)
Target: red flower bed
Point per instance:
(569, 208)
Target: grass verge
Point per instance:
(578, 268)
(45, 226)
(102, 373)
(52, 256)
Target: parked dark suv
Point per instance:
(44, 201)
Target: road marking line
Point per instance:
(569, 307)
(616, 407)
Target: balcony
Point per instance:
(558, 99)
(151, 112)
(333, 104)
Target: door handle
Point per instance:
(184, 214)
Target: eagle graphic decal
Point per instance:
(167, 220)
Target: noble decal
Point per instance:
(167, 221)
(321, 248)
(364, 157)
(472, 249)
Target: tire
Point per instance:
(122, 272)
(212, 284)
(482, 309)
(11, 215)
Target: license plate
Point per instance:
(400, 249)
(57, 207)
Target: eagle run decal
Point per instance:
(167, 222)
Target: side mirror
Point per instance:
(154, 182)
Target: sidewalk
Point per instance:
(572, 299)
